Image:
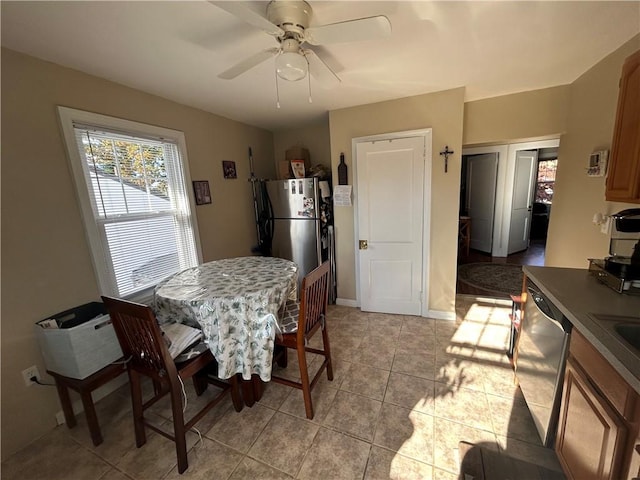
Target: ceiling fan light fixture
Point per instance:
(291, 66)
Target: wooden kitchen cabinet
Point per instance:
(599, 421)
(634, 466)
(623, 178)
(591, 435)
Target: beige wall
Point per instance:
(46, 264)
(314, 137)
(443, 112)
(512, 118)
(572, 236)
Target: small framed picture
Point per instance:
(202, 192)
(229, 169)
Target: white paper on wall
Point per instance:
(342, 196)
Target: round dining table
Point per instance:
(235, 301)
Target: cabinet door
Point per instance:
(623, 179)
(591, 436)
(634, 464)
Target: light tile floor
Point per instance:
(406, 391)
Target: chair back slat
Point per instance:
(140, 337)
(315, 295)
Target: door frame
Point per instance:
(504, 185)
(426, 133)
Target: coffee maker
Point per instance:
(621, 269)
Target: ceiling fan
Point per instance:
(288, 21)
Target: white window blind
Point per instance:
(139, 204)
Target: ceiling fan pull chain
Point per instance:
(277, 91)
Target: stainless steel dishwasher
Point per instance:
(542, 355)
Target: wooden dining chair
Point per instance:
(147, 355)
(311, 317)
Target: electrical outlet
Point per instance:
(28, 373)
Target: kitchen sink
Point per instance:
(626, 328)
(630, 333)
(616, 318)
(619, 339)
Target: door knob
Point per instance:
(363, 245)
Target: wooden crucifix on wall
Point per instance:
(446, 152)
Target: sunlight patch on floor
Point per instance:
(484, 330)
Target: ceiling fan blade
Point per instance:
(248, 63)
(249, 16)
(320, 70)
(350, 31)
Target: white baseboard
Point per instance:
(346, 302)
(441, 315)
(97, 394)
(437, 314)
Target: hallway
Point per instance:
(534, 255)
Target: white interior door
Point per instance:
(482, 173)
(526, 169)
(390, 196)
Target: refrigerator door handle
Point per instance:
(271, 225)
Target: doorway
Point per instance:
(523, 196)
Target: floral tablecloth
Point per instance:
(235, 301)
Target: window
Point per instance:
(546, 181)
(131, 180)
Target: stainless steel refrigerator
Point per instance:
(294, 208)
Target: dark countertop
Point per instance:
(581, 298)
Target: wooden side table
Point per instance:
(84, 387)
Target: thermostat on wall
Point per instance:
(598, 163)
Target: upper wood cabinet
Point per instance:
(623, 179)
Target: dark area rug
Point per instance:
(502, 279)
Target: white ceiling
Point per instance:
(175, 49)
